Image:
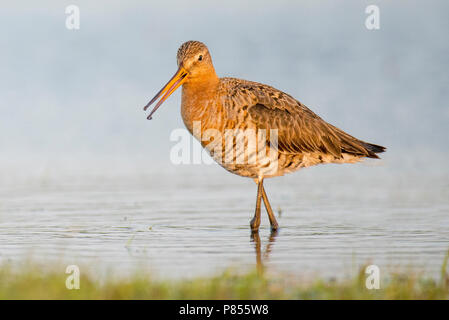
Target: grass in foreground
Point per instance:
(29, 283)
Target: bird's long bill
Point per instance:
(167, 90)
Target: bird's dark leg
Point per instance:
(273, 222)
(255, 222)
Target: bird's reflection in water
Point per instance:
(261, 258)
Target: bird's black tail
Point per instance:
(373, 149)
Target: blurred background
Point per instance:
(82, 168)
(79, 93)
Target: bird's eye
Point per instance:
(200, 58)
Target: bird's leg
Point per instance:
(255, 222)
(274, 224)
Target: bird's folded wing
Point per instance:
(299, 130)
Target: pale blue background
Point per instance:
(79, 94)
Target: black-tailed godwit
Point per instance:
(290, 131)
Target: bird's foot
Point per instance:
(254, 224)
(274, 227)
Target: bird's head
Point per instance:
(194, 64)
(195, 58)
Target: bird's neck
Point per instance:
(198, 95)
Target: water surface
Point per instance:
(194, 221)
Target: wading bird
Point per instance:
(302, 139)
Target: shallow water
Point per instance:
(194, 221)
